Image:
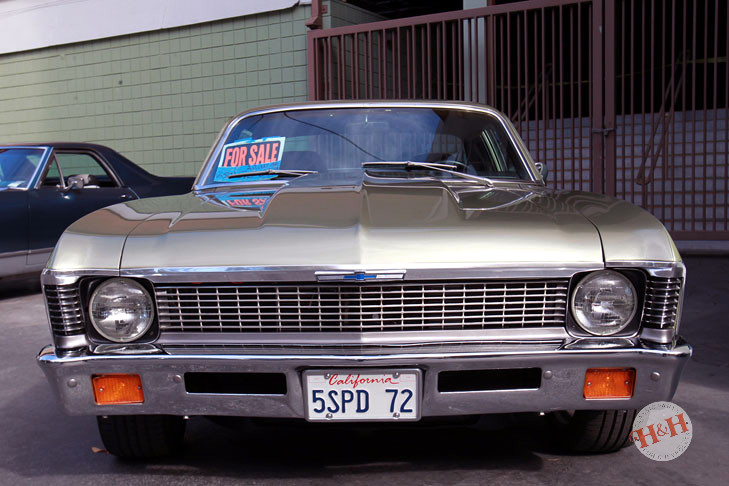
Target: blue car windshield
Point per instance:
(334, 140)
(17, 166)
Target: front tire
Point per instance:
(593, 431)
(141, 436)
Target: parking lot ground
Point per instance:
(39, 444)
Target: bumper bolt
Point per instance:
(177, 379)
(655, 376)
(72, 383)
(548, 375)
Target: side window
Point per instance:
(52, 178)
(72, 164)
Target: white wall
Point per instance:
(33, 24)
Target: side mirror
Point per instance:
(75, 183)
(542, 169)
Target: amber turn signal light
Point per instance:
(117, 389)
(609, 383)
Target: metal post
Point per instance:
(596, 149)
(609, 136)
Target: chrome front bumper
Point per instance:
(658, 369)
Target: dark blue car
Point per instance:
(46, 187)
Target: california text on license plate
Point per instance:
(362, 395)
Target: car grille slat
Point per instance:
(369, 307)
(661, 302)
(64, 309)
(390, 309)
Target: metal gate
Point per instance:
(624, 97)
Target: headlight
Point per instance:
(604, 303)
(121, 310)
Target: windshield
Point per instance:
(329, 141)
(17, 166)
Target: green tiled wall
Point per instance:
(159, 98)
(341, 14)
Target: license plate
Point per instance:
(362, 395)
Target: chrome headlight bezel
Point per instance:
(634, 280)
(139, 336)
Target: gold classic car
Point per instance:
(365, 261)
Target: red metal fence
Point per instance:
(625, 97)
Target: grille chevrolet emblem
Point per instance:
(360, 276)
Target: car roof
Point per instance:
(61, 145)
(300, 105)
(130, 172)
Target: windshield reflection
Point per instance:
(337, 140)
(17, 166)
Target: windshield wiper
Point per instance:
(447, 168)
(274, 172)
(348, 140)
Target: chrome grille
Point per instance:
(661, 302)
(382, 307)
(64, 309)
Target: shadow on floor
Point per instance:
(19, 286)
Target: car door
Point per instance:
(19, 166)
(54, 204)
(14, 224)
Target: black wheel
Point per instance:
(141, 436)
(593, 431)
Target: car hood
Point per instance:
(386, 224)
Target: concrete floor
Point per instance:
(39, 444)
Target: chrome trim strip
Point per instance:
(71, 342)
(130, 348)
(680, 349)
(551, 334)
(679, 311)
(48, 314)
(40, 250)
(306, 273)
(68, 277)
(663, 336)
(11, 254)
(655, 269)
(510, 130)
